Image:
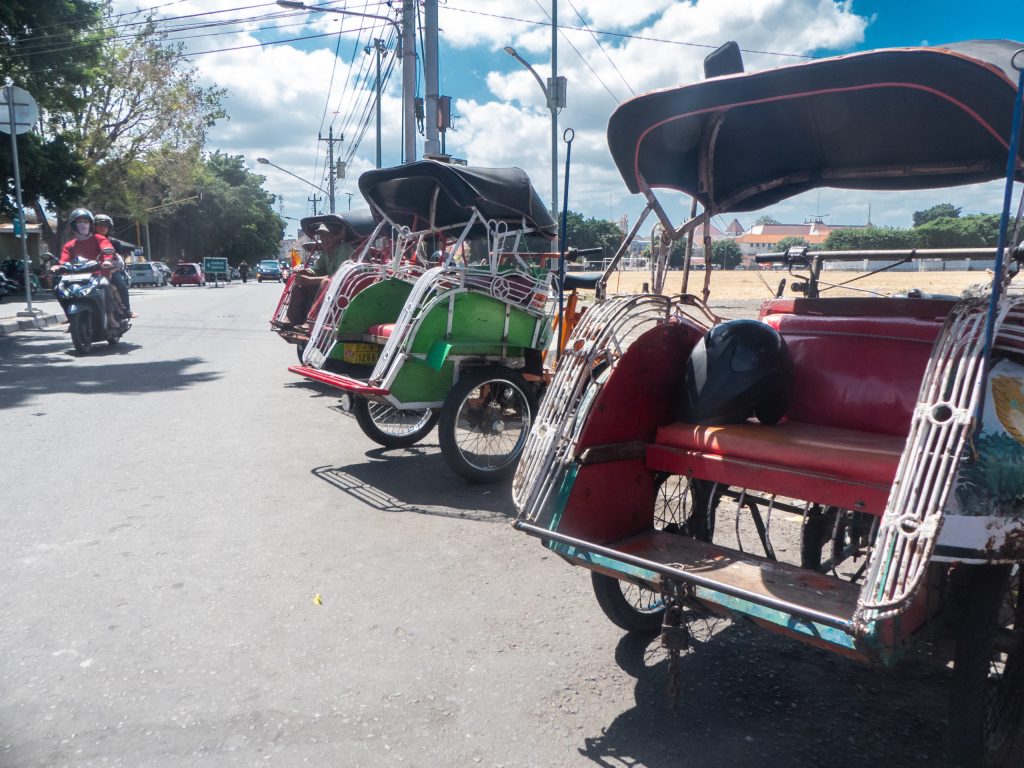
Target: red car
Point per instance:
(188, 274)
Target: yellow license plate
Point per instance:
(360, 354)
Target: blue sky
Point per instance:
(283, 94)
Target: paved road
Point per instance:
(172, 506)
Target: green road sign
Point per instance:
(213, 265)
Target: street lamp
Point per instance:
(264, 161)
(554, 95)
(406, 52)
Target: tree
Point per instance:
(790, 242)
(234, 217)
(591, 233)
(871, 239)
(766, 219)
(941, 211)
(725, 253)
(974, 231)
(50, 48)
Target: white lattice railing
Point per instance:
(522, 289)
(601, 338)
(349, 278)
(942, 422)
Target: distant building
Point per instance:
(763, 238)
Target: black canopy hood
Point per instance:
(356, 225)
(426, 194)
(904, 118)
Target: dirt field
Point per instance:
(746, 285)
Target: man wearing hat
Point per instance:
(334, 252)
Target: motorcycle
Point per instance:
(83, 292)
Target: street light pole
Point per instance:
(264, 161)
(554, 95)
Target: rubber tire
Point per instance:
(361, 410)
(300, 349)
(449, 422)
(984, 592)
(81, 332)
(620, 611)
(113, 342)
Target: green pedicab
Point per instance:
(464, 343)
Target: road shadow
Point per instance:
(748, 698)
(417, 481)
(40, 364)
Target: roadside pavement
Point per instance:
(14, 317)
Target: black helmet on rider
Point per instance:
(77, 216)
(102, 220)
(739, 368)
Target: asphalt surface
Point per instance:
(207, 564)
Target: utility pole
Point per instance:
(409, 81)
(315, 200)
(378, 46)
(331, 141)
(431, 147)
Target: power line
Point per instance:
(586, 63)
(596, 40)
(536, 23)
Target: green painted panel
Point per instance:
(378, 303)
(478, 325)
(417, 382)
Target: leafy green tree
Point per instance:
(790, 242)
(725, 253)
(766, 219)
(50, 48)
(975, 231)
(234, 217)
(871, 238)
(941, 211)
(591, 233)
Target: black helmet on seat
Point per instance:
(739, 368)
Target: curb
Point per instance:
(9, 325)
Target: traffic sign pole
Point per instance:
(21, 113)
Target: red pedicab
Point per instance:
(900, 444)
(358, 230)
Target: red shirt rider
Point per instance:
(91, 247)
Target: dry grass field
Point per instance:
(747, 285)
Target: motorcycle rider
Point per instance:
(102, 224)
(88, 245)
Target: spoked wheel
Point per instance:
(484, 424)
(686, 506)
(81, 332)
(987, 695)
(393, 427)
(830, 536)
(682, 506)
(628, 606)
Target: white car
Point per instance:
(146, 274)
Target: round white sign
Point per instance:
(26, 111)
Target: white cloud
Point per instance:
(278, 94)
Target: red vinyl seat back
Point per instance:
(860, 373)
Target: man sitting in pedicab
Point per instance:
(334, 251)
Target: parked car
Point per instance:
(268, 269)
(188, 274)
(145, 274)
(163, 269)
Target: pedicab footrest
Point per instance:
(346, 383)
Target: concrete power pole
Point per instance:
(432, 146)
(330, 160)
(409, 81)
